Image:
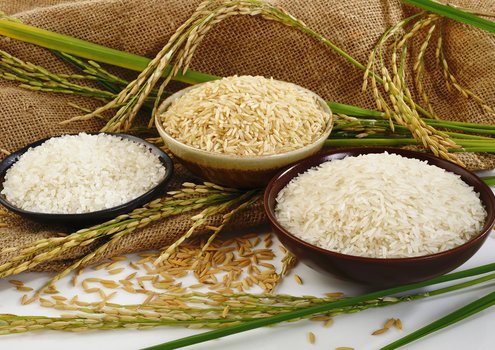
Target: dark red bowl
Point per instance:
(375, 271)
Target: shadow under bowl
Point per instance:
(243, 172)
(90, 218)
(379, 272)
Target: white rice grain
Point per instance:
(380, 205)
(81, 173)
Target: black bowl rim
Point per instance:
(355, 151)
(164, 159)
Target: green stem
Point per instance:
(453, 317)
(91, 51)
(489, 180)
(468, 145)
(340, 108)
(473, 149)
(457, 135)
(453, 13)
(482, 130)
(355, 142)
(323, 308)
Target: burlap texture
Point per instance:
(240, 45)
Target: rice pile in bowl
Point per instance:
(380, 206)
(82, 173)
(246, 116)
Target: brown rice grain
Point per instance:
(118, 258)
(16, 283)
(298, 279)
(398, 324)
(24, 289)
(390, 322)
(101, 266)
(380, 331)
(329, 323)
(311, 337)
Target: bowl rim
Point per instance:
(354, 151)
(11, 159)
(224, 156)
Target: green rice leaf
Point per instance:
(453, 317)
(88, 50)
(453, 13)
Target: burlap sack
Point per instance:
(241, 45)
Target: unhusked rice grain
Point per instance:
(81, 173)
(380, 205)
(246, 116)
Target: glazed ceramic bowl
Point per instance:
(232, 170)
(85, 219)
(375, 271)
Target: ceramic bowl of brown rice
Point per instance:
(380, 216)
(240, 131)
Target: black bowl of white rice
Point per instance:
(84, 178)
(380, 216)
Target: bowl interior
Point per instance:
(341, 264)
(250, 161)
(236, 170)
(85, 219)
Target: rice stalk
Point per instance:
(418, 68)
(351, 127)
(244, 200)
(6, 17)
(323, 308)
(54, 41)
(201, 218)
(454, 13)
(399, 105)
(289, 261)
(183, 310)
(132, 97)
(195, 28)
(177, 202)
(37, 78)
(451, 81)
(225, 220)
(448, 320)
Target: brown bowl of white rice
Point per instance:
(380, 216)
(84, 178)
(240, 131)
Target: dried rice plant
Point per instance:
(217, 310)
(191, 197)
(451, 81)
(418, 131)
(180, 49)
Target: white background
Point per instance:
(475, 333)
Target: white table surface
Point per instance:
(475, 333)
